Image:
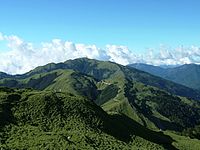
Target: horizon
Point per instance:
(161, 66)
(126, 32)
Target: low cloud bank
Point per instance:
(23, 56)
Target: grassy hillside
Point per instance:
(117, 89)
(147, 105)
(47, 120)
(59, 120)
(137, 109)
(100, 70)
(57, 80)
(104, 70)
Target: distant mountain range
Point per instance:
(187, 75)
(94, 104)
(99, 70)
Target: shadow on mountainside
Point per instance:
(124, 129)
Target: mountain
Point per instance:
(169, 66)
(138, 109)
(59, 120)
(99, 70)
(4, 75)
(155, 70)
(187, 75)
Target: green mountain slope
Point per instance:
(104, 70)
(59, 120)
(117, 89)
(187, 75)
(100, 70)
(139, 104)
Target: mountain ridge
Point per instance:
(187, 74)
(113, 87)
(99, 70)
(133, 102)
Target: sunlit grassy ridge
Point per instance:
(61, 120)
(107, 102)
(100, 70)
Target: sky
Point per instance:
(124, 31)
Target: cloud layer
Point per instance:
(24, 56)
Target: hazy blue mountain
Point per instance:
(155, 70)
(4, 75)
(169, 66)
(187, 75)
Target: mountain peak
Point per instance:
(91, 103)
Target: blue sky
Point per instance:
(137, 24)
(158, 32)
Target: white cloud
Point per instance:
(168, 56)
(1, 36)
(120, 54)
(23, 56)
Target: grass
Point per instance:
(49, 120)
(184, 143)
(129, 112)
